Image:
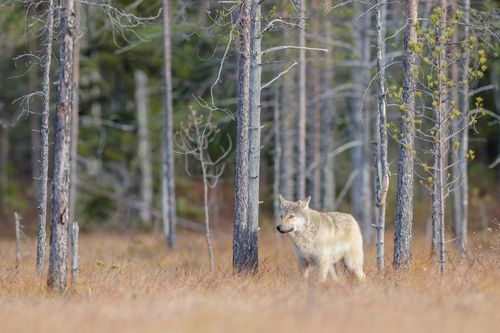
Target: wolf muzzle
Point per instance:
(283, 231)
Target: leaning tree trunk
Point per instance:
(381, 164)
(142, 102)
(44, 143)
(168, 184)
(463, 97)
(359, 128)
(404, 195)
(62, 143)
(300, 182)
(241, 260)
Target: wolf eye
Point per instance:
(292, 216)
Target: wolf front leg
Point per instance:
(323, 268)
(304, 267)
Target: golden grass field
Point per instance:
(130, 283)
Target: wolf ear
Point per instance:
(283, 201)
(305, 202)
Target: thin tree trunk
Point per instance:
(381, 163)
(278, 153)
(142, 104)
(75, 118)
(168, 174)
(62, 144)
(44, 143)
(4, 165)
(327, 129)
(74, 252)
(241, 262)
(34, 120)
(315, 126)
(359, 128)
(463, 96)
(404, 192)
(18, 227)
(300, 182)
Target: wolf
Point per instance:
(321, 239)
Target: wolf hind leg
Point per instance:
(333, 273)
(354, 263)
(304, 267)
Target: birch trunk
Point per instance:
(315, 127)
(75, 118)
(300, 182)
(463, 99)
(62, 143)
(381, 164)
(404, 195)
(241, 260)
(328, 114)
(142, 104)
(359, 128)
(44, 143)
(168, 174)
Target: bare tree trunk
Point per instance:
(74, 252)
(34, 120)
(328, 114)
(463, 96)
(142, 104)
(278, 152)
(381, 164)
(240, 218)
(359, 128)
(62, 144)
(17, 218)
(300, 182)
(245, 234)
(168, 174)
(315, 126)
(75, 118)
(404, 195)
(44, 143)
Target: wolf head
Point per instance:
(292, 215)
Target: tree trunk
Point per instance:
(241, 258)
(359, 128)
(327, 129)
(74, 251)
(300, 182)
(75, 120)
(381, 164)
(463, 102)
(142, 104)
(4, 165)
(404, 192)
(44, 143)
(278, 153)
(62, 143)
(168, 174)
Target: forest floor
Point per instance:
(130, 283)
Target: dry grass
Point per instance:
(129, 283)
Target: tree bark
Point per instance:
(381, 164)
(278, 153)
(359, 128)
(300, 182)
(327, 129)
(168, 174)
(241, 260)
(142, 104)
(463, 102)
(44, 143)
(62, 143)
(404, 192)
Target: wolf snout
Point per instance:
(280, 228)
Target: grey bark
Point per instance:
(62, 146)
(75, 118)
(359, 127)
(300, 181)
(404, 192)
(74, 252)
(315, 126)
(463, 97)
(142, 104)
(278, 153)
(381, 163)
(44, 143)
(242, 257)
(168, 174)
(328, 114)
